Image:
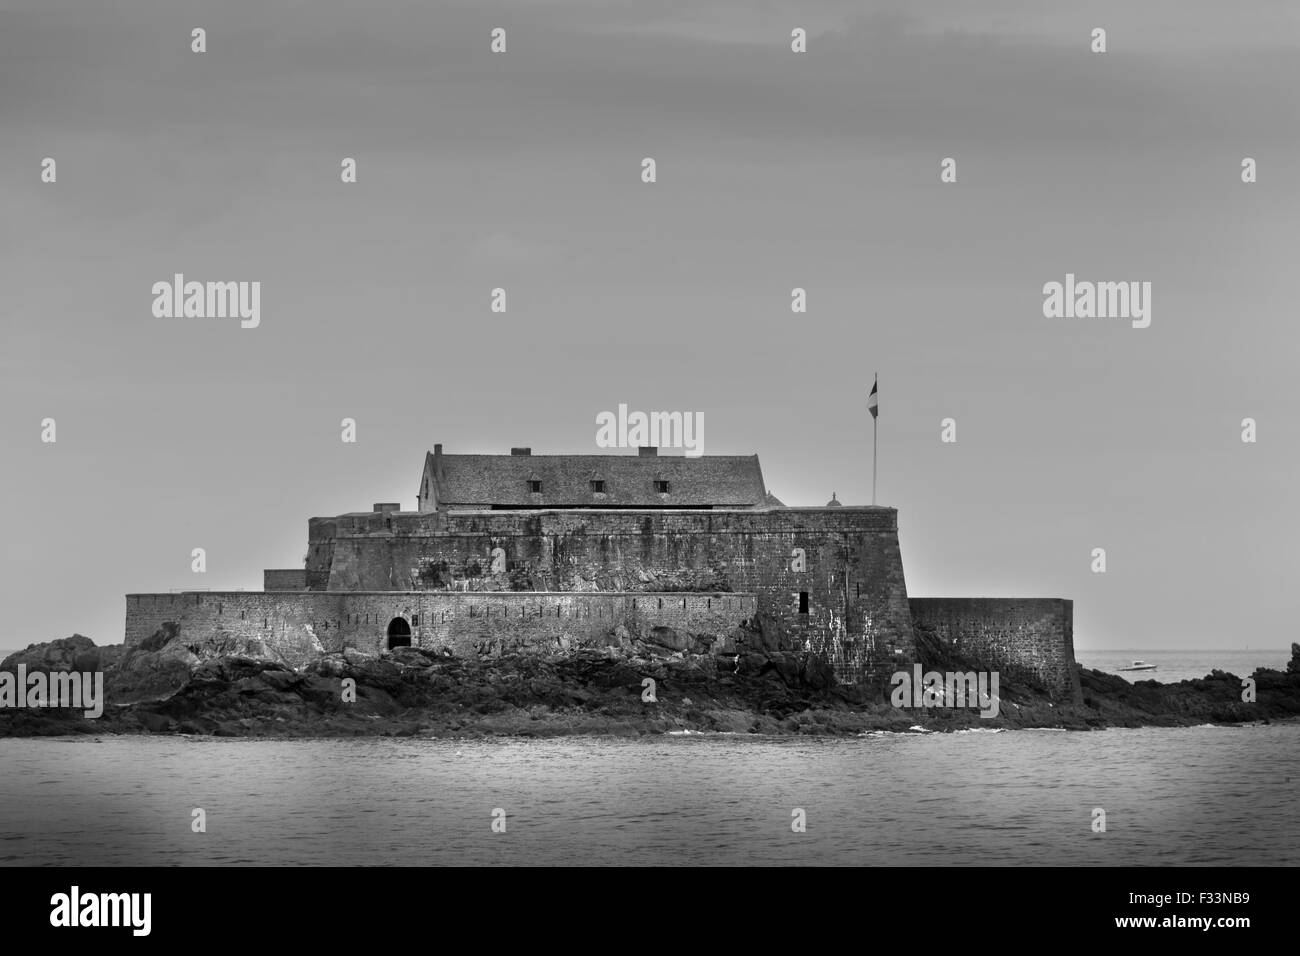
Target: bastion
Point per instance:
(524, 552)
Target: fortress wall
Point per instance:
(290, 579)
(295, 626)
(485, 623)
(858, 613)
(320, 556)
(1031, 637)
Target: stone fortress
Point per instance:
(546, 553)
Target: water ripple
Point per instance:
(1186, 795)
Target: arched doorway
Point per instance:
(399, 633)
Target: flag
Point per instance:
(872, 402)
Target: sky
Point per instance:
(775, 170)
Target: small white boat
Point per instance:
(1139, 666)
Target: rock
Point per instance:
(178, 653)
(331, 665)
(787, 666)
(756, 688)
(282, 680)
(114, 654)
(412, 656)
(700, 643)
(75, 653)
(292, 650)
(817, 672)
(224, 669)
(321, 690)
(730, 721)
(136, 675)
(161, 637)
(667, 637)
(1293, 665)
(197, 726)
(154, 723)
(726, 645)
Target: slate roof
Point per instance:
(481, 481)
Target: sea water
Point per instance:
(1197, 795)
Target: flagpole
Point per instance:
(874, 422)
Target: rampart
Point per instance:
(831, 577)
(302, 624)
(1028, 637)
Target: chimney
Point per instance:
(437, 450)
(521, 451)
(647, 451)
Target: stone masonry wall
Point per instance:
(857, 609)
(290, 579)
(1031, 637)
(300, 624)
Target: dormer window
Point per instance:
(661, 487)
(597, 486)
(534, 487)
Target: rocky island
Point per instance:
(599, 594)
(169, 686)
